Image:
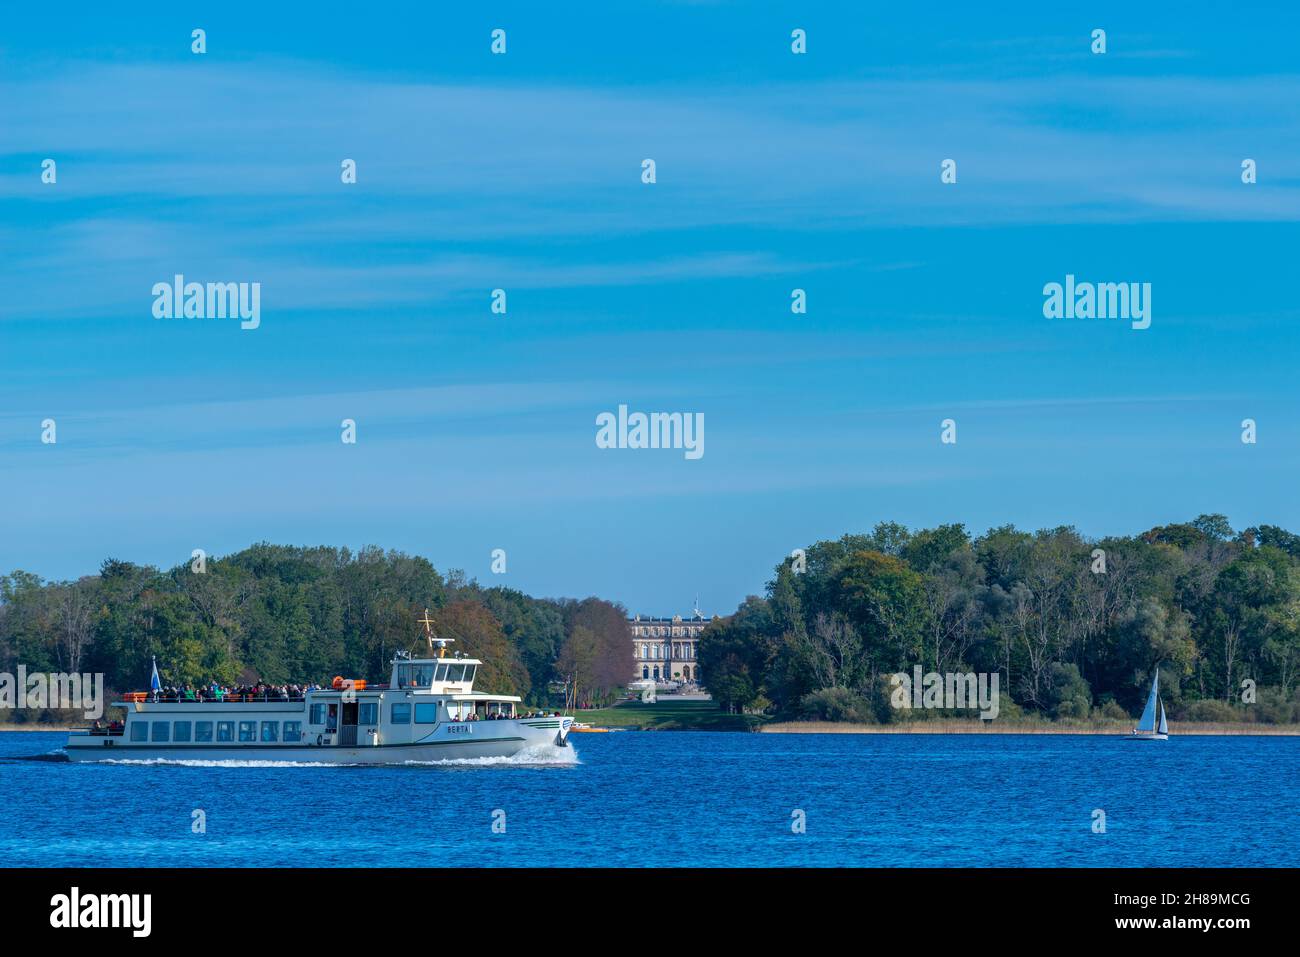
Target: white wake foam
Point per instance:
(533, 755)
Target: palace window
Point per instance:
(645, 671)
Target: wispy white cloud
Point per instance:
(234, 172)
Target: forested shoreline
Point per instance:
(1072, 627)
(279, 614)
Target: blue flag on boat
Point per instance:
(154, 683)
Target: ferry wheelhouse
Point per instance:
(428, 711)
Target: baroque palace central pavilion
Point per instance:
(665, 648)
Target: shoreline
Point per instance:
(916, 727)
(28, 726)
(967, 727)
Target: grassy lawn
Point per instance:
(668, 715)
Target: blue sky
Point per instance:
(476, 431)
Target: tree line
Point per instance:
(1073, 627)
(282, 614)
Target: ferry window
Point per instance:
(403, 676)
(424, 675)
(293, 731)
(400, 714)
(202, 730)
(368, 713)
(181, 731)
(161, 730)
(270, 731)
(318, 714)
(139, 731)
(426, 713)
(455, 673)
(441, 674)
(247, 731)
(225, 731)
(469, 673)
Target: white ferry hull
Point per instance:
(486, 739)
(428, 711)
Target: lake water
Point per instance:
(679, 799)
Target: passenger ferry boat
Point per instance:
(429, 711)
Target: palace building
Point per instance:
(665, 648)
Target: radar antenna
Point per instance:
(429, 636)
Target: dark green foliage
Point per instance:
(284, 614)
(1073, 627)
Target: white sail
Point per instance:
(1164, 725)
(1148, 721)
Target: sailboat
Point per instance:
(1152, 726)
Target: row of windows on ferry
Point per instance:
(274, 732)
(657, 652)
(424, 674)
(184, 732)
(424, 712)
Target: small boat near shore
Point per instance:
(1152, 726)
(428, 711)
(582, 728)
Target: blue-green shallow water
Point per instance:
(683, 799)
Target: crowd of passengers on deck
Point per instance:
(503, 716)
(216, 692)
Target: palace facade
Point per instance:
(665, 648)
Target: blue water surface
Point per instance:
(679, 799)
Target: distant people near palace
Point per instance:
(665, 651)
